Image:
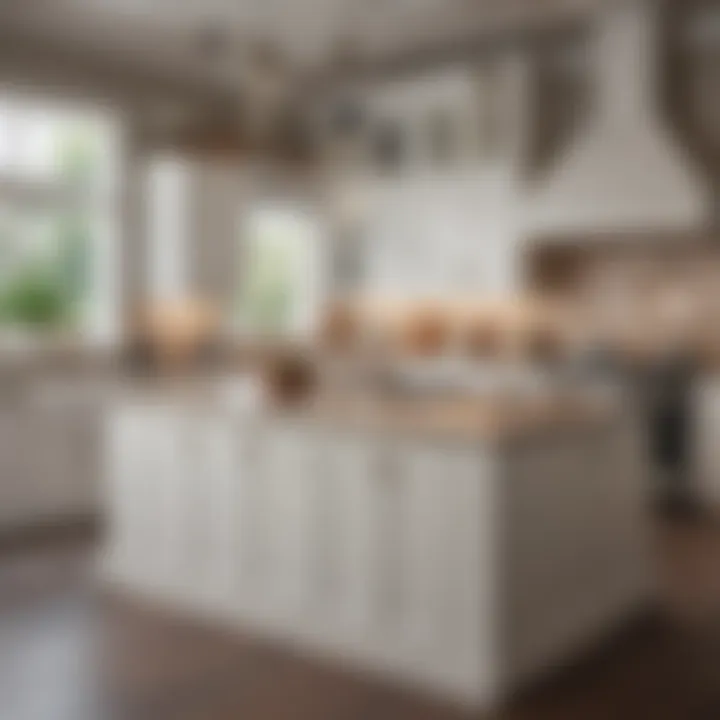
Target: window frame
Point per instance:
(25, 192)
(309, 212)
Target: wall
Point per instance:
(438, 225)
(444, 234)
(558, 105)
(218, 194)
(208, 204)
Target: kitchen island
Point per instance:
(463, 547)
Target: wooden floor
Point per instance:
(70, 652)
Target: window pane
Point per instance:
(281, 271)
(55, 257)
(83, 151)
(47, 277)
(38, 143)
(34, 138)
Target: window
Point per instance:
(57, 190)
(281, 271)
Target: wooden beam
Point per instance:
(29, 59)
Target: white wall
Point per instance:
(186, 244)
(455, 227)
(218, 195)
(444, 234)
(170, 201)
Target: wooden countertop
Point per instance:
(495, 419)
(485, 418)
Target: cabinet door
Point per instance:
(124, 474)
(341, 540)
(115, 494)
(424, 560)
(281, 515)
(44, 465)
(396, 537)
(249, 544)
(12, 471)
(143, 467)
(59, 448)
(399, 491)
(410, 491)
(437, 550)
(84, 466)
(202, 511)
(163, 462)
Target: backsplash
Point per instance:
(649, 289)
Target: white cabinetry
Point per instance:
(457, 567)
(11, 470)
(49, 461)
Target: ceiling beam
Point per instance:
(492, 25)
(36, 60)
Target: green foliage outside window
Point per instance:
(46, 262)
(73, 259)
(49, 290)
(76, 154)
(275, 250)
(280, 270)
(34, 298)
(268, 291)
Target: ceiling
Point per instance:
(208, 46)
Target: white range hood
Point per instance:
(624, 172)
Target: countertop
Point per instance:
(474, 419)
(494, 417)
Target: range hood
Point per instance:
(624, 172)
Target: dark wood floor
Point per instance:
(70, 652)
